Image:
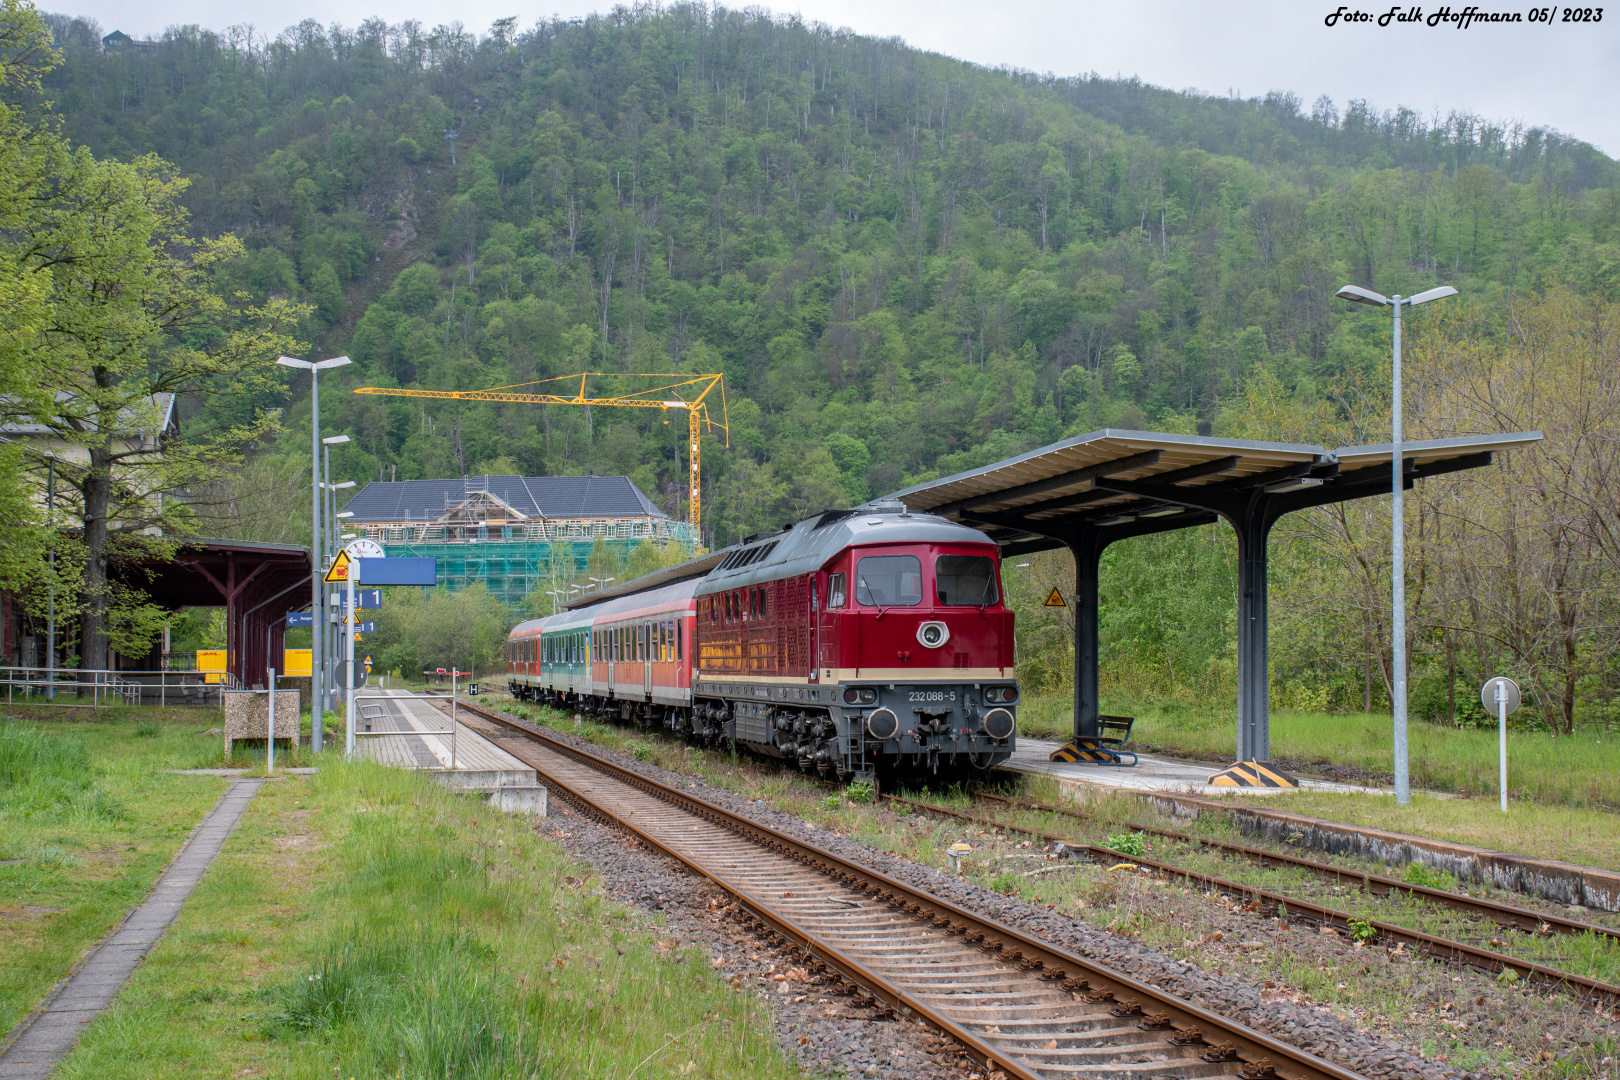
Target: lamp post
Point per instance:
(326, 472)
(601, 582)
(50, 596)
(316, 586)
(1397, 529)
(334, 541)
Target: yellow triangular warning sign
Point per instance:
(1053, 598)
(340, 568)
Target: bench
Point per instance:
(1113, 732)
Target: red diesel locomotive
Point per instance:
(853, 639)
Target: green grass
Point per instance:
(1579, 770)
(371, 924)
(89, 817)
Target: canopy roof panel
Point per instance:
(1077, 482)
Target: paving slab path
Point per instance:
(49, 1033)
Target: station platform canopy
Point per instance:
(256, 584)
(1110, 485)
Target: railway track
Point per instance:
(1584, 989)
(1011, 1001)
(1507, 916)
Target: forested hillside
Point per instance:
(905, 265)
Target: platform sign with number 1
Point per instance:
(1501, 696)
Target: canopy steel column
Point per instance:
(1087, 549)
(1086, 541)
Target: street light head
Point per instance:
(334, 440)
(345, 484)
(336, 361)
(1357, 295)
(292, 361)
(345, 513)
(1433, 294)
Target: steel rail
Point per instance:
(1185, 1021)
(1430, 944)
(1509, 916)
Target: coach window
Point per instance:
(837, 586)
(889, 581)
(762, 599)
(680, 633)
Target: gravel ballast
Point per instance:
(827, 1037)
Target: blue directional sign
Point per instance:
(365, 628)
(399, 571)
(300, 618)
(366, 599)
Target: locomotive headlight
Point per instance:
(1001, 695)
(998, 723)
(932, 635)
(882, 724)
(859, 695)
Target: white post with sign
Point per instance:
(1501, 695)
(360, 549)
(348, 637)
(270, 762)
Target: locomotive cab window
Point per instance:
(837, 586)
(889, 581)
(965, 580)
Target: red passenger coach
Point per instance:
(853, 639)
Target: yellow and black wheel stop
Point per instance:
(1253, 774)
(1089, 750)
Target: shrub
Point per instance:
(859, 792)
(1428, 877)
(1127, 843)
(641, 751)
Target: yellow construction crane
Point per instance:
(667, 396)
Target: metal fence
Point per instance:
(96, 688)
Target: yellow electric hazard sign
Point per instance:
(340, 568)
(1055, 599)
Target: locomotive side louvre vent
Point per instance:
(753, 728)
(959, 660)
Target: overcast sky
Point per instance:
(1565, 76)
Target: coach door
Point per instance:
(648, 647)
(815, 650)
(612, 654)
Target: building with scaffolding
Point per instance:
(515, 534)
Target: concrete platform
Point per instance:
(469, 762)
(1151, 773)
